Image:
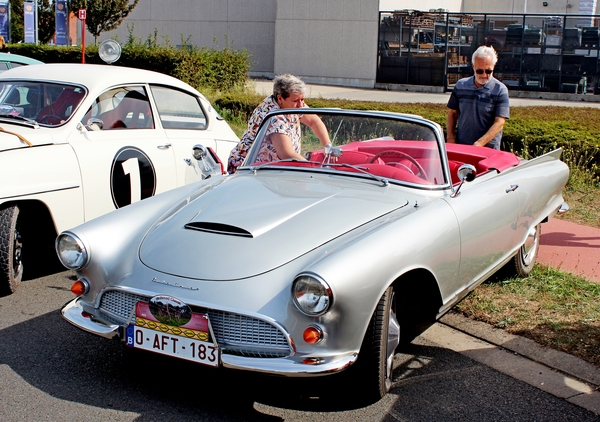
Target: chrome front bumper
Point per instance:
(292, 366)
(74, 313)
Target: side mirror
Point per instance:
(466, 173)
(94, 124)
(199, 152)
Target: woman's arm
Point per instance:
(318, 127)
(284, 147)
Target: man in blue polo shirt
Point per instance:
(478, 104)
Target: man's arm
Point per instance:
(495, 129)
(451, 121)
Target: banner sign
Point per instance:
(61, 19)
(29, 14)
(4, 20)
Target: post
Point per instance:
(82, 16)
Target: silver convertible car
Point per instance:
(310, 267)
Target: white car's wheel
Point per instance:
(11, 266)
(524, 261)
(379, 347)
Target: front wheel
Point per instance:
(523, 262)
(379, 347)
(11, 266)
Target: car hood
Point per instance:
(14, 136)
(248, 225)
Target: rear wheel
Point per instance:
(11, 265)
(376, 357)
(523, 262)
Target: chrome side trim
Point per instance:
(564, 207)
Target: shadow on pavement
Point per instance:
(429, 382)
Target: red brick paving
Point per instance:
(571, 248)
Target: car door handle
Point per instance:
(512, 188)
(164, 146)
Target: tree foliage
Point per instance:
(46, 25)
(103, 15)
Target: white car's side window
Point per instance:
(178, 110)
(121, 108)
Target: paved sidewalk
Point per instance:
(265, 87)
(571, 248)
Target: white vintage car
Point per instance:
(78, 141)
(316, 265)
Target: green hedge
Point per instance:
(201, 68)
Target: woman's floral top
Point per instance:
(238, 154)
(288, 125)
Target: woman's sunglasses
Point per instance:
(487, 71)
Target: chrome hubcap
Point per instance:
(529, 248)
(393, 340)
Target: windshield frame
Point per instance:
(362, 171)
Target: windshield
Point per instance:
(47, 104)
(393, 147)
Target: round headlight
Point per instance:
(71, 251)
(311, 295)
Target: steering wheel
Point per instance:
(405, 156)
(50, 116)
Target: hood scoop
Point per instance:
(218, 228)
(250, 225)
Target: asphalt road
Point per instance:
(51, 371)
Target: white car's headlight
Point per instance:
(71, 251)
(311, 295)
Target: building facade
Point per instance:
(332, 42)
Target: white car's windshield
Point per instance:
(401, 149)
(47, 104)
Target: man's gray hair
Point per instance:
(287, 84)
(485, 52)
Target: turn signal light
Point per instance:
(312, 361)
(80, 287)
(312, 334)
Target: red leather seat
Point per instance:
(62, 108)
(133, 112)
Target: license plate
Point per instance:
(167, 326)
(172, 345)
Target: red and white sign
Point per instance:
(82, 14)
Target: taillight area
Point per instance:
(80, 287)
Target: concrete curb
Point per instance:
(560, 361)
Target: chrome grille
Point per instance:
(235, 333)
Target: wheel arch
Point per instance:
(38, 229)
(418, 301)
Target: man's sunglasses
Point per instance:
(487, 71)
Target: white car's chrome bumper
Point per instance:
(294, 366)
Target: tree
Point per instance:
(102, 15)
(46, 21)
(46, 26)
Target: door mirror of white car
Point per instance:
(94, 124)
